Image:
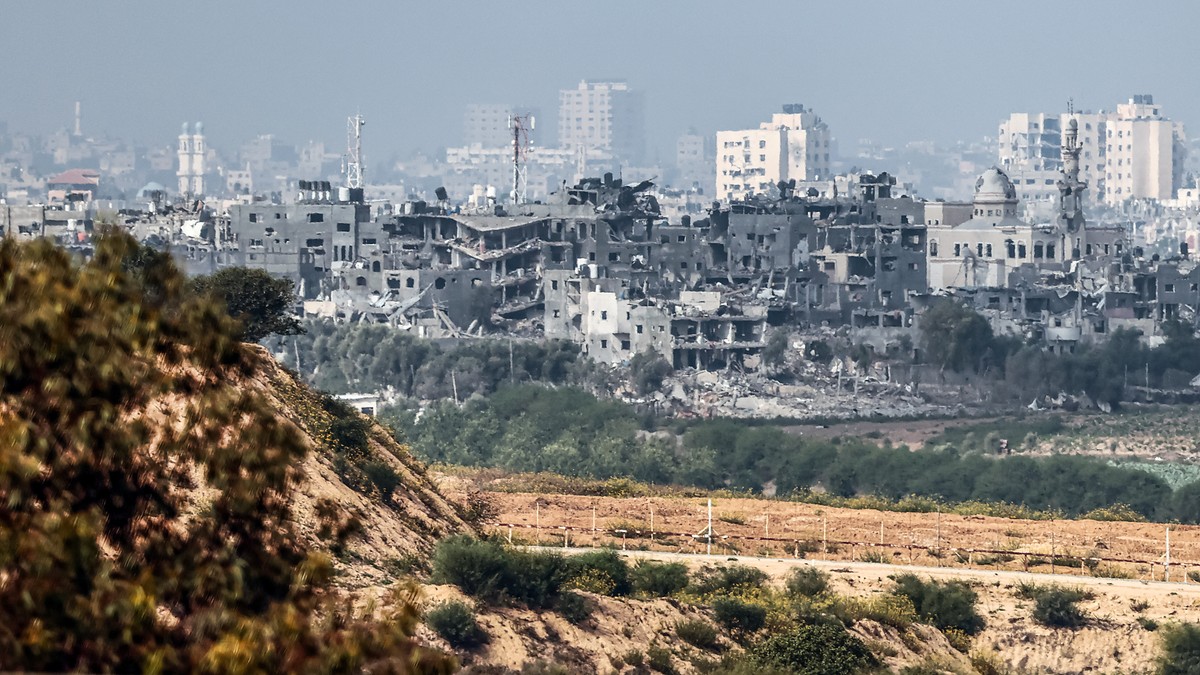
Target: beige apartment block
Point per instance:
(794, 145)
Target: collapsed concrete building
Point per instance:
(598, 264)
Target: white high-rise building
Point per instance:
(1030, 153)
(191, 161)
(794, 145)
(486, 125)
(602, 120)
(1145, 153)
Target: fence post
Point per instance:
(708, 551)
(537, 519)
(938, 547)
(1167, 559)
(510, 534)
(593, 524)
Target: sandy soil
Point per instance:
(1113, 640)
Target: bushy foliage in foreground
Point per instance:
(949, 604)
(455, 622)
(658, 579)
(1180, 650)
(821, 649)
(106, 565)
(1056, 606)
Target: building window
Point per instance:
(410, 282)
(625, 345)
(988, 250)
(604, 344)
(1168, 288)
(933, 247)
(1049, 251)
(317, 218)
(556, 313)
(254, 217)
(554, 284)
(957, 250)
(341, 227)
(979, 249)
(604, 315)
(639, 329)
(1021, 250)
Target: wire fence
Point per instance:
(908, 539)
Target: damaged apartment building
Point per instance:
(598, 264)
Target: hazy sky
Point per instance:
(892, 71)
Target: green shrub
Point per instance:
(658, 579)
(1180, 650)
(806, 582)
(349, 433)
(697, 633)
(1056, 606)
(739, 618)
(604, 568)
(659, 660)
(455, 622)
(1147, 623)
(573, 607)
(822, 649)
(382, 476)
(944, 604)
(634, 658)
(727, 579)
(536, 577)
(896, 611)
(479, 567)
(485, 569)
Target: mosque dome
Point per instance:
(994, 186)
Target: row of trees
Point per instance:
(568, 431)
(957, 338)
(363, 357)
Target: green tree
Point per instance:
(261, 303)
(956, 337)
(109, 562)
(648, 370)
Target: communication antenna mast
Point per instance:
(354, 167)
(521, 125)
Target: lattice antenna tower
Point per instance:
(354, 165)
(520, 125)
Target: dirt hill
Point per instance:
(398, 532)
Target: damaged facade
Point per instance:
(601, 265)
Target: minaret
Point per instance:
(1070, 188)
(198, 152)
(185, 160)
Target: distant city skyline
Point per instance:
(938, 71)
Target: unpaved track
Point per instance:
(777, 567)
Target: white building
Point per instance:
(1145, 153)
(486, 125)
(1029, 152)
(602, 119)
(794, 145)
